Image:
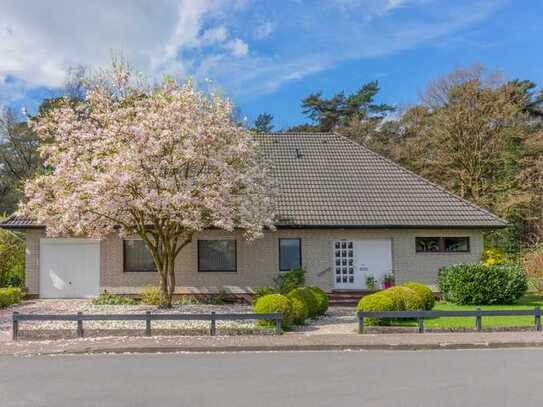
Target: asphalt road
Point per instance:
(424, 378)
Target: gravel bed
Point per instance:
(53, 328)
(338, 320)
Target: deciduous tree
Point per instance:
(161, 163)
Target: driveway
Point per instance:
(425, 378)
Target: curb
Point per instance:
(300, 348)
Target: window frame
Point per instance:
(125, 265)
(235, 270)
(441, 240)
(299, 239)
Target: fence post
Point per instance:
(421, 324)
(360, 323)
(147, 323)
(478, 321)
(537, 314)
(79, 325)
(15, 327)
(278, 320)
(213, 327)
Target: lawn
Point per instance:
(527, 302)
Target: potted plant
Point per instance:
(388, 281)
(371, 282)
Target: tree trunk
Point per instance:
(165, 249)
(167, 280)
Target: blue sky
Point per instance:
(267, 55)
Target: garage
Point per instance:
(69, 268)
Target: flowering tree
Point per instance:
(160, 162)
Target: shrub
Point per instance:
(106, 298)
(478, 284)
(532, 263)
(189, 300)
(322, 299)
(10, 296)
(150, 295)
(215, 299)
(424, 292)
(300, 310)
(285, 282)
(380, 301)
(310, 300)
(494, 256)
(404, 298)
(12, 257)
(262, 291)
(274, 303)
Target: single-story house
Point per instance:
(345, 214)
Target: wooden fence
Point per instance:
(147, 317)
(478, 314)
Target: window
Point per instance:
(290, 254)
(217, 255)
(442, 244)
(137, 257)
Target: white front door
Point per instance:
(69, 268)
(354, 260)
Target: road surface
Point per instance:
(424, 378)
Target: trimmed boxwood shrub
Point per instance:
(405, 299)
(274, 303)
(310, 300)
(300, 311)
(322, 299)
(424, 292)
(392, 299)
(480, 284)
(380, 301)
(10, 296)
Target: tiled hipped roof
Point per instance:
(326, 180)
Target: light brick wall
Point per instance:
(258, 261)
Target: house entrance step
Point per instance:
(346, 298)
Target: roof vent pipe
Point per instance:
(299, 153)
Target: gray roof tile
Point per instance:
(326, 180)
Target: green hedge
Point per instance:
(391, 299)
(274, 303)
(10, 296)
(310, 300)
(480, 284)
(322, 299)
(300, 310)
(380, 301)
(424, 292)
(405, 299)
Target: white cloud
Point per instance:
(38, 43)
(238, 47)
(212, 38)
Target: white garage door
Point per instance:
(69, 268)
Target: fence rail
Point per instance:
(147, 317)
(478, 314)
